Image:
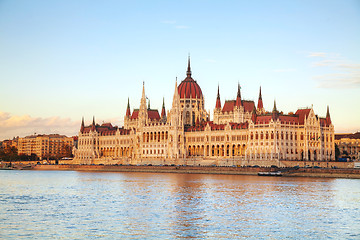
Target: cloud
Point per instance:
(317, 54)
(285, 70)
(324, 63)
(338, 80)
(344, 74)
(11, 126)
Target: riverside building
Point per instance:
(241, 133)
(53, 146)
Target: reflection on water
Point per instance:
(78, 205)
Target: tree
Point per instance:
(337, 152)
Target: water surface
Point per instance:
(90, 205)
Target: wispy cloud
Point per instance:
(11, 126)
(344, 74)
(338, 80)
(317, 54)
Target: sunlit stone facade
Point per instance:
(240, 133)
(46, 146)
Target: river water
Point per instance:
(107, 205)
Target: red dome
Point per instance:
(188, 87)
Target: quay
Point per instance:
(233, 170)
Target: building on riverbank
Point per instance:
(241, 133)
(349, 145)
(46, 146)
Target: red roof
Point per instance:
(263, 119)
(135, 114)
(289, 119)
(248, 105)
(302, 113)
(323, 122)
(230, 104)
(153, 114)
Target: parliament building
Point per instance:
(241, 133)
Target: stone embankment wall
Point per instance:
(288, 172)
(321, 164)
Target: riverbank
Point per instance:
(286, 172)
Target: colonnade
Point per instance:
(217, 150)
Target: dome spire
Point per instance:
(188, 72)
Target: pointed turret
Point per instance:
(163, 112)
(188, 72)
(176, 98)
(238, 97)
(143, 113)
(218, 102)
(260, 102)
(82, 125)
(275, 112)
(93, 124)
(128, 113)
(328, 119)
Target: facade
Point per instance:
(349, 145)
(241, 133)
(46, 146)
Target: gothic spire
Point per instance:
(238, 97)
(274, 109)
(218, 103)
(275, 113)
(163, 113)
(328, 119)
(260, 102)
(128, 113)
(176, 98)
(82, 125)
(93, 124)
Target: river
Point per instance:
(108, 205)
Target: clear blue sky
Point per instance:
(61, 60)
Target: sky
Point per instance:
(64, 60)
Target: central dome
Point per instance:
(188, 88)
